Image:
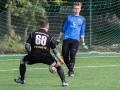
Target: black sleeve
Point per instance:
(52, 43)
(29, 38)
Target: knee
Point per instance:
(57, 64)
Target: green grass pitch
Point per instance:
(93, 72)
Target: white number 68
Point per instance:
(40, 40)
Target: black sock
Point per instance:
(22, 70)
(61, 73)
(71, 66)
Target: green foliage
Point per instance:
(29, 11)
(13, 38)
(11, 48)
(11, 44)
(53, 5)
(104, 48)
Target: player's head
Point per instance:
(44, 24)
(77, 7)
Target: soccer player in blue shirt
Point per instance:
(73, 30)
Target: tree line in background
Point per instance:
(26, 9)
(31, 12)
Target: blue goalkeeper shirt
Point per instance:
(73, 27)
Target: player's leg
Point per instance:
(65, 51)
(22, 70)
(73, 51)
(60, 72)
(54, 63)
(28, 59)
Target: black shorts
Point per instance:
(70, 46)
(45, 58)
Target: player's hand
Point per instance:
(84, 46)
(57, 41)
(62, 62)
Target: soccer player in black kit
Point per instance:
(38, 47)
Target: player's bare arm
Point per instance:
(60, 58)
(60, 35)
(83, 42)
(82, 39)
(56, 52)
(59, 38)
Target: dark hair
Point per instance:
(44, 23)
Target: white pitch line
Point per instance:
(100, 57)
(27, 69)
(98, 66)
(9, 60)
(64, 67)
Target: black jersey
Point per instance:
(41, 42)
